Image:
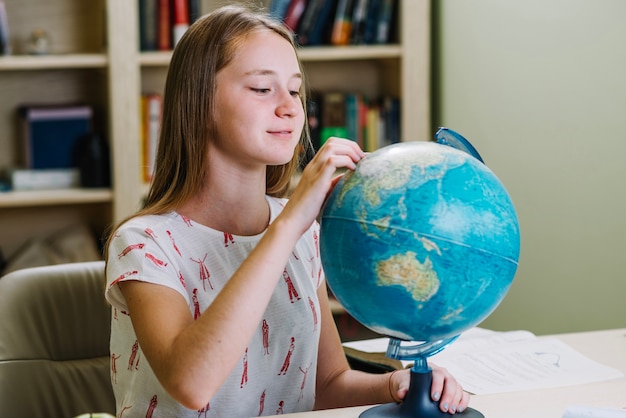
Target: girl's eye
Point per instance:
(260, 90)
(295, 93)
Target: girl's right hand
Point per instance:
(318, 178)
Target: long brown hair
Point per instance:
(188, 121)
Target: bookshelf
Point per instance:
(95, 59)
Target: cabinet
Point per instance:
(96, 60)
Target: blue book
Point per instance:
(51, 134)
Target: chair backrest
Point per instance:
(54, 342)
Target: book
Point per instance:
(164, 25)
(294, 14)
(314, 116)
(50, 134)
(45, 179)
(359, 17)
(152, 105)
(333, 116)
(5, 42)
(195, 10)
(278, 9)
(385, 18)
(370, 27)
(180, 19)
(342, 25)
(148, 25)
(317, 21)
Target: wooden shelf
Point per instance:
(307, 54)
(54, 197)
(50, 62)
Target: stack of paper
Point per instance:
(488, 362)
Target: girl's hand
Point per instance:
(444, 389)
(318, 178)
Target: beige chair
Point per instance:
(54, 342)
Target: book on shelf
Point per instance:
(50, 134)
(164, 25)
(163, 22)
(180, 18)
(342, 24)
(278, 8)
(372, 123)
(333, 116)
(5, 42)
(195, 10)
(44, 179)
(148, 25)
(294, 14)
(317, 21)
(359, 17)
(151, 111)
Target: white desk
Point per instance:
(607, 347)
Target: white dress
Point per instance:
(276, 373)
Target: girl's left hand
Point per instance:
(444, 389)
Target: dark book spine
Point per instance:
(148, 25)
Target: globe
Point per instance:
(420, 242)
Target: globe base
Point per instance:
(417, 403)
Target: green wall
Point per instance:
(539, 87)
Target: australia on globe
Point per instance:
(420, 242)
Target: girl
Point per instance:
(220, 305)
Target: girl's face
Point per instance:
(259, 114)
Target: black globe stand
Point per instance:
(417, 403)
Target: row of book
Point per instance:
(373, 123)
(338, 22)
(163, 22)
(60, 148)
(315, 22)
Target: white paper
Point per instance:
(488, 362)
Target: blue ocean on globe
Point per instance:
(420, 242)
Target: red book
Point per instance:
(181, 20)
(164, 26)
(294, 13)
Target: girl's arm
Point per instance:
(338, 386)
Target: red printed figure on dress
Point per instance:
(305, 372)
(314, 312)
(293, 293)
(244, 374)
(262, 403)
(205, 276)
(114, 366)
(279, 410)
(133, 360)
(196, 304)
(266, 337)
(173, 241)
(202, 412)
(152, 407)
(157, 262)
(149, 232)
(287, 361)
(228, 239)
(130, 248)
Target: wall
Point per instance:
(539, 87)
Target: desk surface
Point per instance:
(607, 347)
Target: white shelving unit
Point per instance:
(95, 59)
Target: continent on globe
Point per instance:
(405, 270)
